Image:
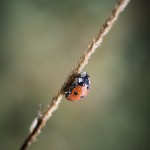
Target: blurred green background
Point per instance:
(41, 41)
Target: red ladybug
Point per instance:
(78, 88)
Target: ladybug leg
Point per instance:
(81, 96)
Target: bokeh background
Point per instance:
(41, 41)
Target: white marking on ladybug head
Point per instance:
(80, 80)
(83, 74)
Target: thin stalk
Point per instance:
(96, 42)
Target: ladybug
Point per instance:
(78, 88)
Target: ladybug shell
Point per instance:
(77, 93)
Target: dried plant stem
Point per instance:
(96, 42)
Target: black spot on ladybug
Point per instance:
(75, 93)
